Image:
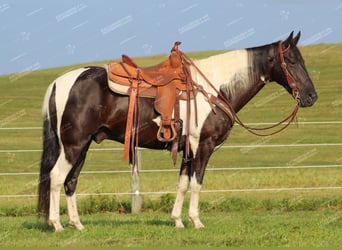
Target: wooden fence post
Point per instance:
(136, 198)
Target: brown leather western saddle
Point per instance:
(166, 82)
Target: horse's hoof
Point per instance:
(57, 225)
(197, 223)
(78, 225)
(178, 221)
(59, 230)
(179, 224)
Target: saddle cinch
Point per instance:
(166, 82)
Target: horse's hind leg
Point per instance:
(70, 188)
(66, 170)
(57, 176)
(74, 218)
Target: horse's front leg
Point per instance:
(198, 167)
(182, 188)
(195, 188)
(177, 207)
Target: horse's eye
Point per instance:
(292, 62)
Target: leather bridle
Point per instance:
(290, 79)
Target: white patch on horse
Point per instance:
(45, 110)
(157, 120)
(223, 71)
(63, 86)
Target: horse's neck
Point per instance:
(233, 74)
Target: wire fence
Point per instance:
(225, 147)
(248, 124)
(244, 190)
(277, 189)
(92, 172)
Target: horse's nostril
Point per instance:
(312, 97)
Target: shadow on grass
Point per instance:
(41, 225)
(159, 222)
(38, 225)
(136, 221)
(111, 222)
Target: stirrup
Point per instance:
(161, 132)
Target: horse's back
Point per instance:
(79, 82)
(68, 79)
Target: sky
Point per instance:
(40, 34)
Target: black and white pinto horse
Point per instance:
(80, 108)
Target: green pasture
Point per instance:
(234, 229)
(272, 217)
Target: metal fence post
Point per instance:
(136, 197)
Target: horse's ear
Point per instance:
(288, 40)
(296, 38)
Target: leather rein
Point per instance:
(222, 103)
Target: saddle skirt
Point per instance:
(145, 90)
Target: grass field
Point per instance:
(249, 218)
(235, 229)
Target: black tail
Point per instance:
(49, 156)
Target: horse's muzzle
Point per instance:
(308, 100)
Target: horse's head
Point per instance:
(289, 71)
